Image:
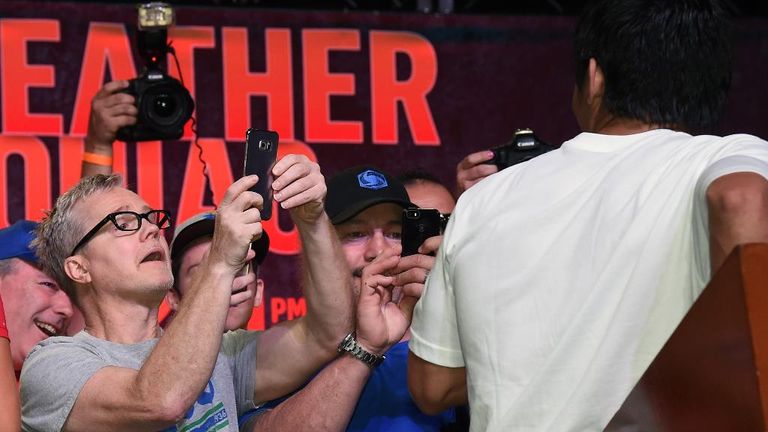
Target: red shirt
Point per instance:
(3, 327)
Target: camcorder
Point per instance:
(523, 146)
(164, 104)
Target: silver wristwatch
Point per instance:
(349, 344)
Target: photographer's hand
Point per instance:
(110, 110)
(471, 170)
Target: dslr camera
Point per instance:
(164, 104)
(523, 146)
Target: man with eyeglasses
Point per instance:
(123, 372)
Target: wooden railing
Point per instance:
(712, 374)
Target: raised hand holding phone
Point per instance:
(260, 158)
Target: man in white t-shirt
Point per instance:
(559, 279)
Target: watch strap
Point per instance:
(350, 345)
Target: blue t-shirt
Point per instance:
(385, 404)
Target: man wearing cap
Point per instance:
(36, 307)
(191, 241)
(104, 244)
(365, 206)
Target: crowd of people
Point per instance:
(553, 287)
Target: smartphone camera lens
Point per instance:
(412, 214)
(265, 145)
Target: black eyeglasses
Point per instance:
(128, 221)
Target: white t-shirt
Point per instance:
(560, 279)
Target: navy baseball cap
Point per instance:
(201, 225)
(15, 240)
(354, 190)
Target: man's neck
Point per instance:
(608, 124)
(625, 127)
(121, 321)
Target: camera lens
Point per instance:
(163, 109)
(167, 105)
(164, 105)
(413, 214)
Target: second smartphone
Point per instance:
(419, 224)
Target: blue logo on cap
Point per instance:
(371, 179)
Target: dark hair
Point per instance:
(665, 62)
(416, 176)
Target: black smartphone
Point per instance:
(260, 158)
(419, 224)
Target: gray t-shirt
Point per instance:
(57, 369)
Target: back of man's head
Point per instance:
(665, 62)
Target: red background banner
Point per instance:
(401, 91)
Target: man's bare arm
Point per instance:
(325, 404)
(435, 388)
(110, 110)
(738, 213)
(10, 420)
(288, 354)
(328, 401)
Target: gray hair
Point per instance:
(7, 267)
(60, 230)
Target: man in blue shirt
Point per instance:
(365, 206)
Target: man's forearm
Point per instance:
(328, 290)
(325, 404)
(435, 388)
(9, 395)
(183, 360)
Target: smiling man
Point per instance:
(365, 205)
(35, 306)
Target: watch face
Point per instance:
(348, 344)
